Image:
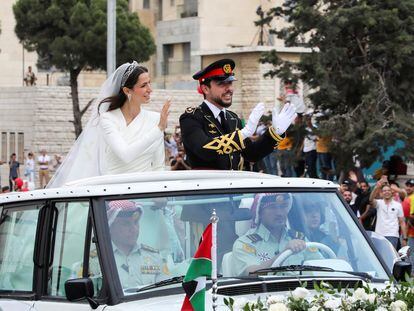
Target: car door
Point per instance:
(18, 227)
(72, 244)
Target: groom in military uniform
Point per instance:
(214, 137)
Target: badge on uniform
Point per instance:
(150, 269)
(263, 256)
(249, 249)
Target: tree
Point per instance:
(360, 67)
(71, 35)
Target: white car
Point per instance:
(60, 249)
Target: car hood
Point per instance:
(174, 302)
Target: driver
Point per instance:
(260, 247)
(136, 264)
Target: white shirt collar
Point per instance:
(215, 110)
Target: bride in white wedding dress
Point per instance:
(121, 136)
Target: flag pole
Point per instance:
(214, 219)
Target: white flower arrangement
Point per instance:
(394, 297)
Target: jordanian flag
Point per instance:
(194, 283)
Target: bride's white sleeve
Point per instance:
(124, 151)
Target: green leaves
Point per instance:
(73, 33)
(361, 71)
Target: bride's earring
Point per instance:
(129, 97)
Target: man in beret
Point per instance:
(214, 137)
(137, 265)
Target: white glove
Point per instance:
(254, 118)
(281, 121)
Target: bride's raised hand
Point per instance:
(164, 115)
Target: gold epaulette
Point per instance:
(254, 237)
(149, 248)
(275, 136)
(227, 143)
(190, 110)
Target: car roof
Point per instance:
(166, 181)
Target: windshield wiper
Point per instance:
(173, 280)
(310, 268)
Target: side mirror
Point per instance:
(400, 269)
(78, 289)
(404, 252)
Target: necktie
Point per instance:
(224, 123)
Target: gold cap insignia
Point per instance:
(227, 68)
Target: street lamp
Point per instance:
(111, 37)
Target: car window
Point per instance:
(17, 240)
(70, 237)
(155, 238)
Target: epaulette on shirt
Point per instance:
(149, 248)
(254, 237)
(190, 110)
(296, 234)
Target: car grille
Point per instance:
(279, 286)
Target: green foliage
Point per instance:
(394, 296)
(360, 65)
(71, 34)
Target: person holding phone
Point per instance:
(390, 215)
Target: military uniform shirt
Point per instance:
(209, 145)
(259, 245)
(143, 265)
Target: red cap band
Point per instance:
(213, 73)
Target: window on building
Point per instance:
(4, 156)
(20, 147)
(12, 142)
(146, 4)
(172, 2)
(177, 58)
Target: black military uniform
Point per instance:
(211, 145)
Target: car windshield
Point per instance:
(154, 239)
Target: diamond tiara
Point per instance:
(128, 72)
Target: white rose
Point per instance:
(371, 298)
(239, 303)
(332, 304)
(275, 299)
(314, 308)
(351, 299)
(360, 294)
(278, 307)
(398, 305)
(381, 309)
(300, 293)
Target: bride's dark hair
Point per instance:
(117, 101)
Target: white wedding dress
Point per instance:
(136, 147)
(108, 145)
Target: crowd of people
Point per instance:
(387, 208)
(36, 171)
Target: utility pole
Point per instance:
(111, 37)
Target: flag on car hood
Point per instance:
(194, 283)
